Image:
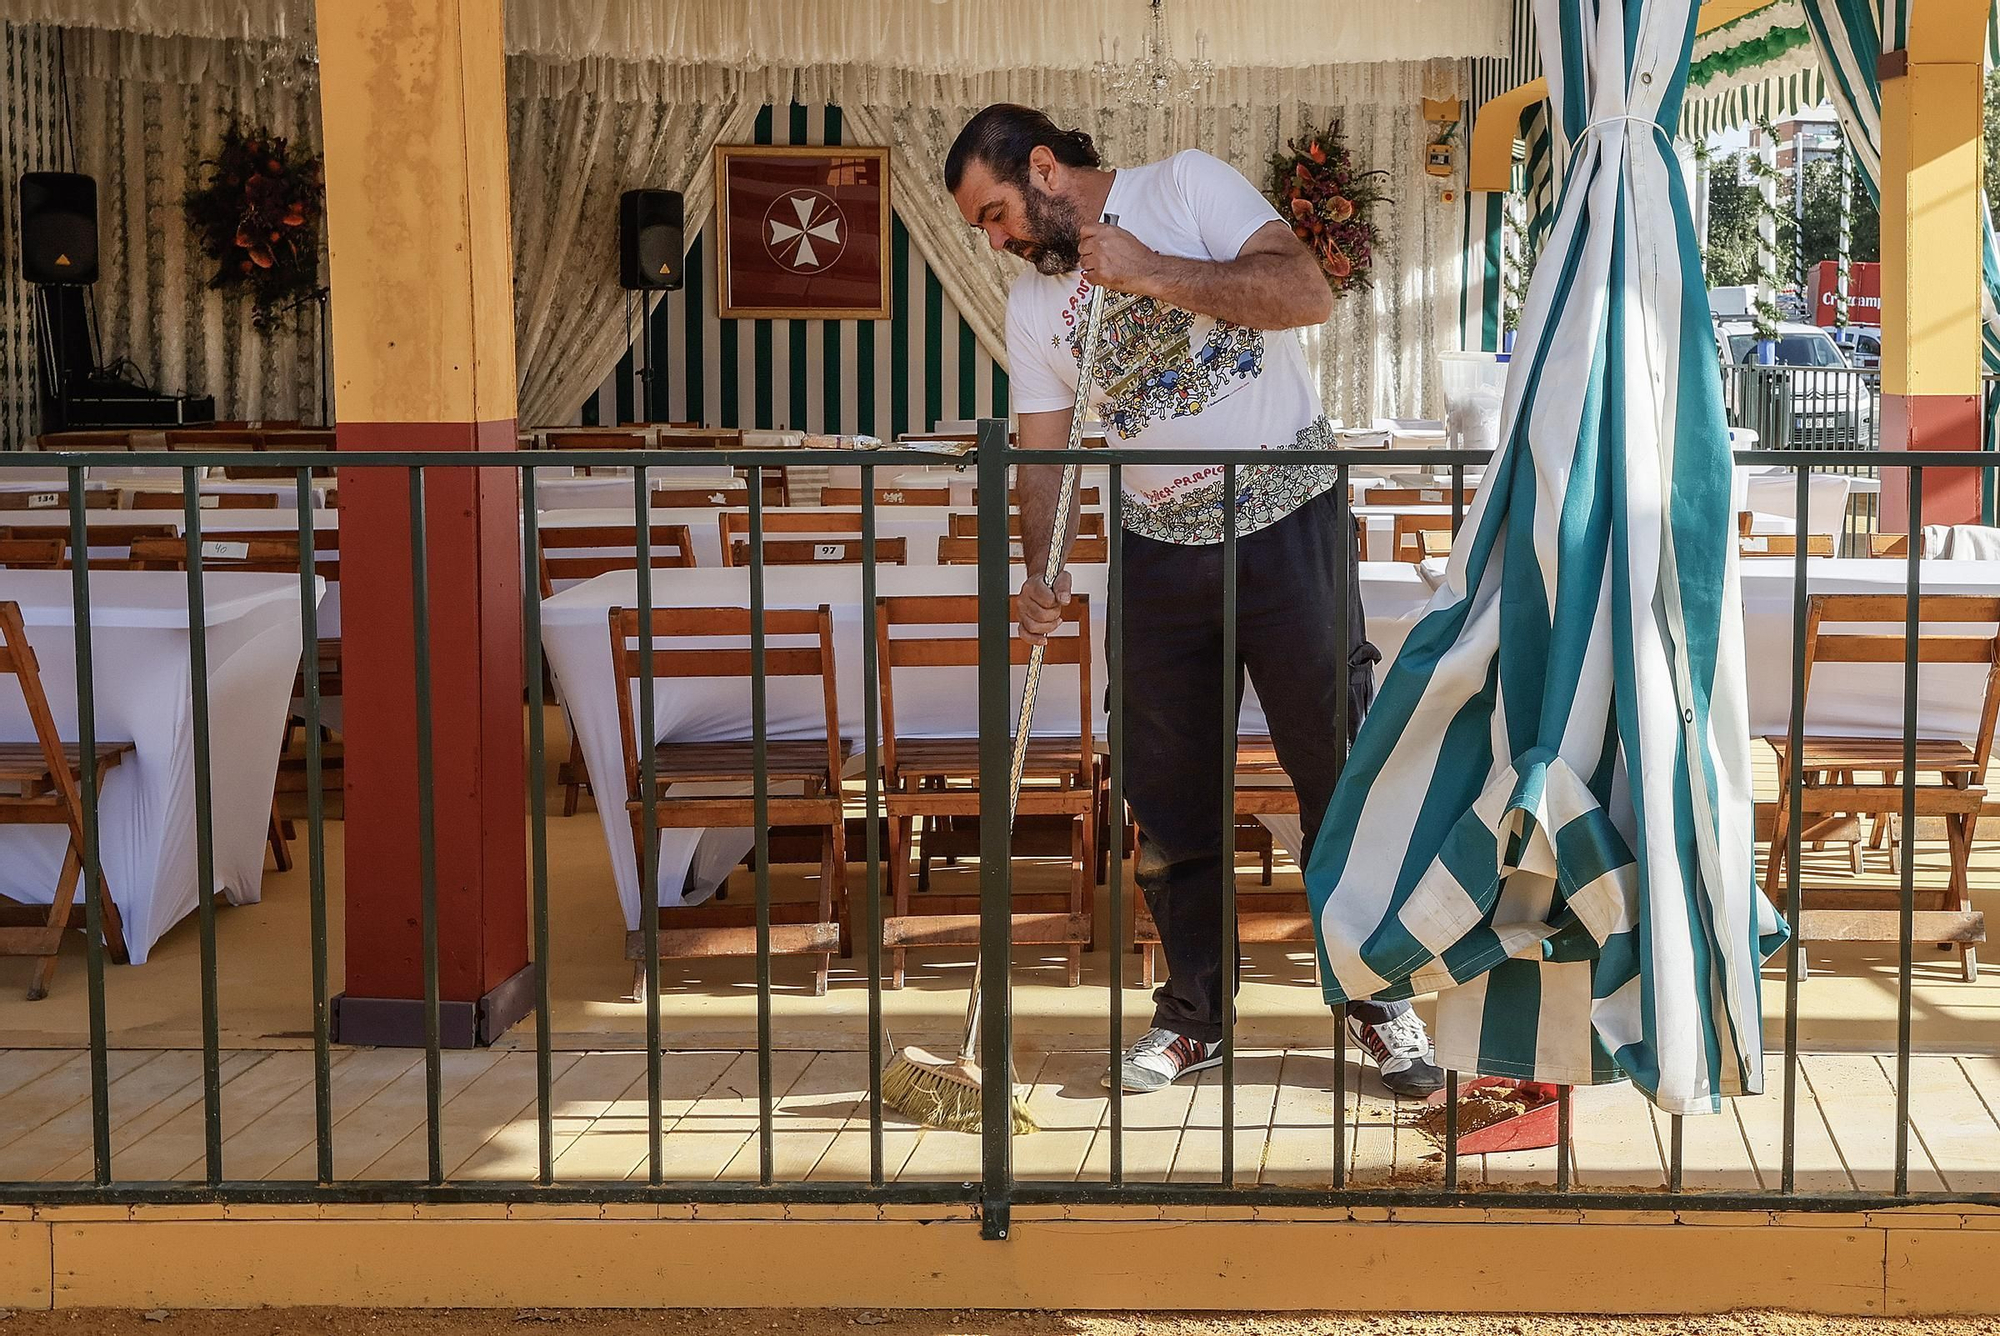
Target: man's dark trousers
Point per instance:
(1288, 641)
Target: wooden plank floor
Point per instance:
(1845, 1137)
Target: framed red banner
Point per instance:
(803, 233)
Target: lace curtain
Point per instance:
(147, 111)
(570, 156)
(963, 36)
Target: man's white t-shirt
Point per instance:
(1166, 378)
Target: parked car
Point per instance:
(1861, 343)
(1810, 397)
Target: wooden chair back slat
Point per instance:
(1784, 545)
(965, 551)
(819, 552)
(1089, 524)
(32, 554)
(56, 498)
(162, 500)
(1416, 496)
(887, 496)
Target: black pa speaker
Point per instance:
(649, 240)
(58, 227)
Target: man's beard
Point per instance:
(1058, 240)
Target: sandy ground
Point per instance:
(795, 1322)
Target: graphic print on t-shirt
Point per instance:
(1158, 362)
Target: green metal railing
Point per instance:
(996, 1188)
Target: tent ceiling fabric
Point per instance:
(931, 36)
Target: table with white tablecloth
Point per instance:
(919, 526)
(139, 655)
(941, 702)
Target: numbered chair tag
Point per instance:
(224, 551)
(828, 552)
(44, 500)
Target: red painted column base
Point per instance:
(472, 535)
(1931, 422)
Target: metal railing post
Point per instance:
(995, 838)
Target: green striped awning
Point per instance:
(1547, 814)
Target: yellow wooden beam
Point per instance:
(1497, 125)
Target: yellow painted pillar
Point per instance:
(413, 99)
(1931, 115)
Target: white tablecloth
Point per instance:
(146, 823)
(939, 702)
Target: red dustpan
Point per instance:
(1533, 1128)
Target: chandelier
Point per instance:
(1155, 79)
(288, 55)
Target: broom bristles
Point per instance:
(941, 1094)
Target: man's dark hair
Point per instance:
(1002, 137)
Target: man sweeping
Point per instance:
(1195, 354)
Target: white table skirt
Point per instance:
(940, 702)
(146, 818)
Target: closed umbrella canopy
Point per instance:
(1547, 813)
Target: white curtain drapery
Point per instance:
(580, 151)
(947, 37)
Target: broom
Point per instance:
(946, 1093)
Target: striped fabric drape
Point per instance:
(1850, 37)
(1547, 813)
(876, 377)
(1483, 286)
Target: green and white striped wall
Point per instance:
(878, 377)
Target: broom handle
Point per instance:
(1093, 321)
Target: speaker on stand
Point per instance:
(59, 252)
(650, 259)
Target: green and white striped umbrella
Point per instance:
(1850, 36)
(1547, 814)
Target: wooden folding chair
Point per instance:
(887, 496)
(580, 554)
(1950, 779)
(965, 551)
(38, 786)
(274, 552)
(930, 779)
(1089, 524)
(803, 778)
(1416, 537)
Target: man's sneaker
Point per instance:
(1162, 1057)
(1402, 1052)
